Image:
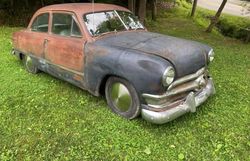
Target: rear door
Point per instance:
(32, 40)
(64, 50)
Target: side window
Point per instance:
(65, 25)
(41, 23)
(75, 29)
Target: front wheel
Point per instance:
(29, 65)
(122, 98)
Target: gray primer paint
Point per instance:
(141, 58)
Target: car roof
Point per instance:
(82, 8)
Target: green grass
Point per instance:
(43, 118)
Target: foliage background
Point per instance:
(19, 13)
(43, 118)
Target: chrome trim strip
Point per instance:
(44, 61)
(199, 82)
(65, 68)
(186, 78)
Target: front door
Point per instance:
(64, 50)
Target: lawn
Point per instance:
(43, 118)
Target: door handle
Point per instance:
(45, 43)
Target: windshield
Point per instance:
(111, 21)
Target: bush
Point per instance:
(15, 19)
(234, 27)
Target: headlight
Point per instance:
(168, 76)
(211, 55)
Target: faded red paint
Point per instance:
(78, 9)
(28, 42)
(67, 52)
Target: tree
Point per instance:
(142, 10)
(154, 9)
(245, 7)
(215, 19)
(42, 3)
(194, 8)
(131, 5)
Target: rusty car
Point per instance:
(104, 49)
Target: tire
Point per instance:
(29, 64)
(122, 98)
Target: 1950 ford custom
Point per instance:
(104, 49)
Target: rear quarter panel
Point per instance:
(28, 42)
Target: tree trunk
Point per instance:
(194, 8)
(131, 5)
(26, 4)
(142, 10)
(11, 10)
(12, 3)
(215, 19)
(42, 3)
(154, 10)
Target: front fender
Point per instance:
(142, 70)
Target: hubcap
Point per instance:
(29, 64)
(121, 97)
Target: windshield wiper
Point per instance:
(105, 33)
(136, 28)
(140, 28)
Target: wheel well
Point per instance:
(21, 56)
(103, 84)
(104, 81)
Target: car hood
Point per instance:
(185, 55)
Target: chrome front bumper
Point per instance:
(190, 103)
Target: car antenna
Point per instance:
(93, 11)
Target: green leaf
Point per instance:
(147, 151)
(181, 156)
(218, 147)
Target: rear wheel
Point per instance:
(29, 64)
(122, 98)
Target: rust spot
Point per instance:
(95, 51)
(77, 77)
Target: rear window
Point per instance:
(41, 23)
(65, 25)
